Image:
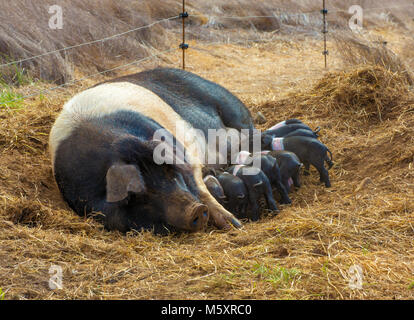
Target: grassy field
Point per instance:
(364, 104)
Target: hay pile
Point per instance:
(371, 92)
(364, 93)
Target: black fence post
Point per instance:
(324, 12)
(183, 45)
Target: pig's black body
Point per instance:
(293, 120)
(257, 184)
(301, 133)
(311, 151)
(289, 165)
(286, 129)
(203, 103)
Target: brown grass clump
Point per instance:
(369, 93)
(358, 50)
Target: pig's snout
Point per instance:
(197, 217)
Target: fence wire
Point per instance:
(72, 82)
(87, 43)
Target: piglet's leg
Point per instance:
(296, 179)
(307, 167)
(323, 173)
(254, 208)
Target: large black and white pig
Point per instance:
(102, 148)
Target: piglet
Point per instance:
(310, 151)
(289, 165)
(257, 184)
(237, 198)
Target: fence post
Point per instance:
(183, 45)
(324, 12)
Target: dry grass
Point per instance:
(363, 49)
(366, 218)
(24, 29)
(365, 92)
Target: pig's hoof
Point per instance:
(223, 221)
(286, 201)
(235, 222)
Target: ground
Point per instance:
(309, 251)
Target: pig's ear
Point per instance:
(121, 179)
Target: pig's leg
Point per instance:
(285, 182)
(271, 203)
(243, 209)
(307, 167)
(296, 179)
(281, 188)
(323, 173)
(254, 207)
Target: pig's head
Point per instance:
(169, 188)
(266, 140)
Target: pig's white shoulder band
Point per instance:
(277, 144)
(278, 125)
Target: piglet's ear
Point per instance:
(122, 179)
(266, 141)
